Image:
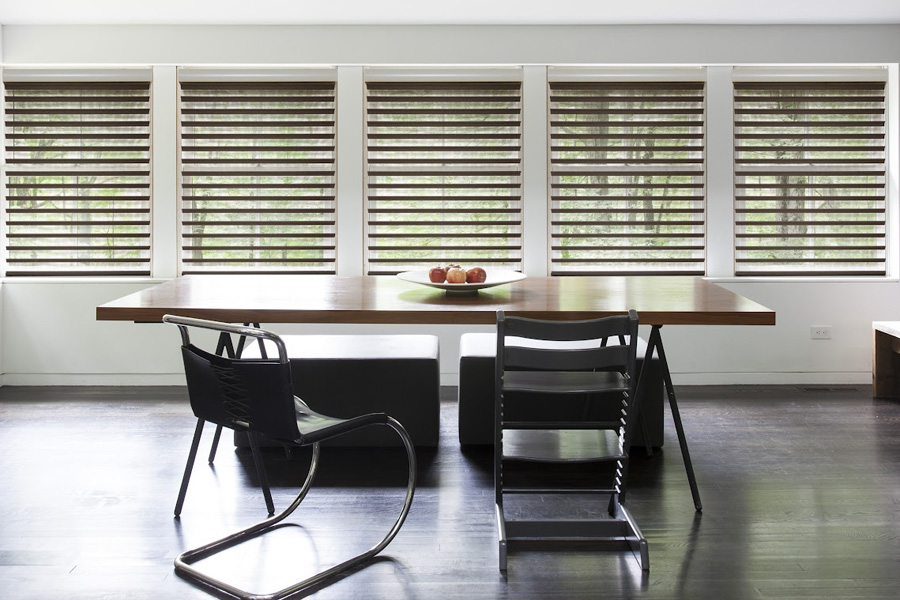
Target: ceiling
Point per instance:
(470, 12)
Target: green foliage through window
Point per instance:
(444, 175)
(258, 177)
(78, 178)
(809, 178)
(627, 187)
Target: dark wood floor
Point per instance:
(800, 487)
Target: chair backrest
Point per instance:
(532, 344)
(239, 393)
(525, 344)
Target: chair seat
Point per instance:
(561, 446)
(315, 427)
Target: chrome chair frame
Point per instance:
(184, 562)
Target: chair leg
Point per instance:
(184, 562)
(501, 535)
(198, 431)
(215, 444)
(261, 471)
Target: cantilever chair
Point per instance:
(536, 457)
(255, 396)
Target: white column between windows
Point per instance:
(535, 210)
(892, 179)
(165, 169)
(350, 205)
(719, 173)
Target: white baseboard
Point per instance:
(832, 378)
(84, 379)
(447, 379)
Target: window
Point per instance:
(443, 175)
(809, 178)
(627, 185)
(258, 177)
(78, 178)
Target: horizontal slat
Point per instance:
(440, 257)
(628, 123)
(260, 198)
(631, 234)
(811, 210)
(816, 198)
(253, 260)
(258, 186)
(782, 248)
(325, 221)
(445, 223)
(617, 171)
(666, 248)
(258, 173)
(804, 222)
(73, 272)
(193, 124)
(263, 248)
(814, 260)
(259, 99)
(631, 260)
(440, 211)
(626, 198)
(295, 135)
(631, 211)
(235, 111)
(811, 235)
(449, 124)
(293, 234)
(622, 99)
(807, 124)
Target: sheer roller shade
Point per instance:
(78, 178)
(627, 178)
(258, 177)
(443, 175)
(809, 178)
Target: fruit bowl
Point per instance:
(494, 277)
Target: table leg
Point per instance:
(655, 343)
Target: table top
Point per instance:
(361, 299)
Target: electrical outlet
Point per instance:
(820, 332)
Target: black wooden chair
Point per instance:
(539, 456)
(256, 396)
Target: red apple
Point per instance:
(476, 275)
(456, 275)
(437, 275)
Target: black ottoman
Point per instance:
(476, 394)
(350, 375)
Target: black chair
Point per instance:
(539, 456)
(255, 396)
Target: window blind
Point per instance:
(627, 189)
(443, 175)
(809, 178)
(258, 177)
(78, 178)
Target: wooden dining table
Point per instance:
(366, 299)
(658, 300)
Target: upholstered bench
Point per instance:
(348, 375)
(476, 394)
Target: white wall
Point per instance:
(48, 330)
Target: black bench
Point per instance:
(476, 394)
